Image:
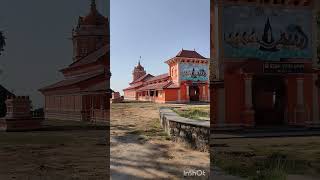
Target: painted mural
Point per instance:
(194, 72)
(265, 33)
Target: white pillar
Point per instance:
(315, 110)
(248, 92)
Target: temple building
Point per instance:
(264, 66)
(84, 93)
(186, 81)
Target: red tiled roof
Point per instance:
(102, 86)
(133, 87)
(189, 54)
(141, 78)
(159, 77)
(173, 86)
(93, 57)
(70, 81)
(155, 86)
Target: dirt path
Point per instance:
(62, 150)
(140, 149)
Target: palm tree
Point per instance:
(2, 41)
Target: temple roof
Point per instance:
(189, 54)
(159, 77)
(142, 78)
(90, 58)
(155, 86)
(94, 17)
(133, 86)
(70, 81)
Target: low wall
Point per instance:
(193, 133)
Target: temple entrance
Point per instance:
(269, 100)
(194, 93)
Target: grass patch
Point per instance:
(269, 158)
(197, 113)
(153, 130)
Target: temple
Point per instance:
(269, 77)
(84, 94)
(186, 81)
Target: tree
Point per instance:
(2, 41)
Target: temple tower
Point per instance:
(91, 33)
(138, 72)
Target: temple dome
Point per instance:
(94, 17)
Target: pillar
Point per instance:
(179, 95)
(188, 96)
(248, 112)
(220, 107)
(300, 112)
(315, 104)
(204, 93)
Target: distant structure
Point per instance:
(84, 93)
(116, 97)
(186, 81)
(4, 93)
(19, 117)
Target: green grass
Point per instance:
(153, 130)
(197, 113)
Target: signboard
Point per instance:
(283, 68)
(193, 72)
(266, 33)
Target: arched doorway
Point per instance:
(194, 93)
(269, 100)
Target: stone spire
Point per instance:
(93, 6)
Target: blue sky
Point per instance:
(38, 36)
(156, 30)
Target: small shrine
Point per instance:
(19, 116)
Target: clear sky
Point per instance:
(156, 30)
(38, 36)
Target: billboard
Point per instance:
(193, 72)
(266, 33)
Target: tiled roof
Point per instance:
(155, 86)
(142, 78)
(173, 86)
(4, 91)
(93, 57)
(189, 54)
(133, 87)
(70, 81)
(102, 86)
(159, 77)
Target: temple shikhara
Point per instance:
(84, 92)
(264, 65)
(186, 81)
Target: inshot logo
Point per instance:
(193, 172)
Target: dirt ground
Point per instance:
(62, 150)
(141, 150)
